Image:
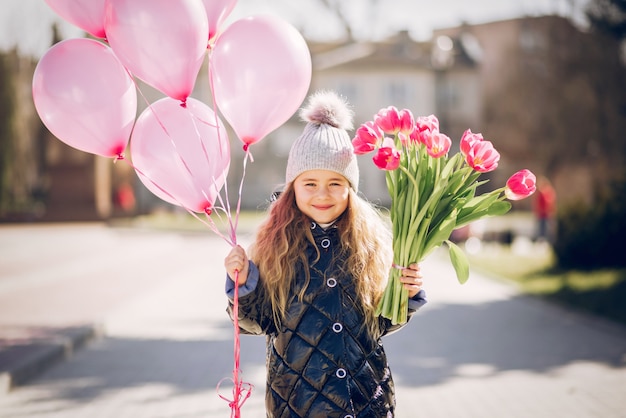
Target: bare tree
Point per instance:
(608, 16)
(341, 10)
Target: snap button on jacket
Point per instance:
(322, 362)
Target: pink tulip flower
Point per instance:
(415, 137)
(407, 122)
(482, 157)
(392, 121)
(430, 123)
(425, 126)
(438, 145)
(388, 156)
(468, 140)
(367, 138)
(520, 185)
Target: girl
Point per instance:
(314, 277)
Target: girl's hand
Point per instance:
(412, 279)
(237, 261)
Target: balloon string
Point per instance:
(248, 156)
(207, 158)
(210, 224)
(238, 210)
(224, 202)
(241, 390)
(156, 116)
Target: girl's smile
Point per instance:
(322, 195)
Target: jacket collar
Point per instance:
(317, 230)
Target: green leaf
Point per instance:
(499, 208)
(440, 233)
(459, 261)
(480, 202)
(477, 208)
(448, 169)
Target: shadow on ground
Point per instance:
(521, 333)
(435, 346)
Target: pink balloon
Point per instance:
(162, 42)
(85, 96)
(180, 154)
(261, 72)
(86, 14)
(217, 11)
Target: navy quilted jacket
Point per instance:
(322, 362)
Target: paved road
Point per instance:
(477, 350)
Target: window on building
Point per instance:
(397, 92)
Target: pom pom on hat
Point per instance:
(328, 108)
(325, 144)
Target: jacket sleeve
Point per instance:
(415, 303)
(254, 311)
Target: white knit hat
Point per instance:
(325, 144)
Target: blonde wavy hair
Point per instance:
(365, 240)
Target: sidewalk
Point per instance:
(163, 342)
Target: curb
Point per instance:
(25, 359)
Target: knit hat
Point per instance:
(324, 144)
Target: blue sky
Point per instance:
(26, 23)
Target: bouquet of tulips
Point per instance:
(432, 193)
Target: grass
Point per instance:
(600, 292)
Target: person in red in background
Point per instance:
(544, 207)
(125, 197)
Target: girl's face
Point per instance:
(322, 195)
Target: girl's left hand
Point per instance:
(412, 279)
